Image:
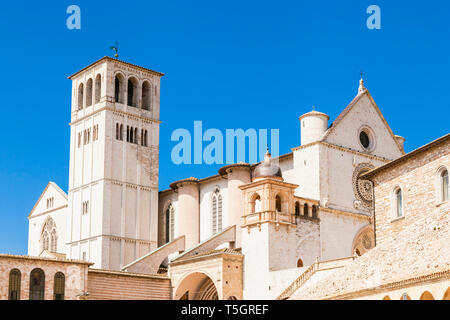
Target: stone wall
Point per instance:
(75, 273)
(417, 179)
(113, 285)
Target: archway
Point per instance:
(196, 286)
(447, 294)
(426, 296)
(387, 298)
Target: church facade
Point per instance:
(252, 231)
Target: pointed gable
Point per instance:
(363, 114)
(56, 197)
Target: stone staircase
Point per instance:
(308, 273)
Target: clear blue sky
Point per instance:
(231, 64)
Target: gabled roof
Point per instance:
(51, 183)
(350, 107)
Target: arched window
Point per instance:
(256, 203)
(398, 203)
(131, 135)
(37, 284)
(297, 209)
(444, 185)
(145, 138)
(305, 210)
(117, 132)
(49, 237)
(146, 96)
(170, 222)
(216, 211)
(98, 88)
(314, 211)
(121, 132)
(119, 88)
(14, 284)
(299, 263)
(278, 203)
(132, 92)
(59, 286)
(80, 96)
(89, 93)
(53, 241)
(135, 135)
(426, 296)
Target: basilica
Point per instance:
(345, 215)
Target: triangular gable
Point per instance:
(58, 191)
(350, 109)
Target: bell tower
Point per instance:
(268, 228)
(113, 174)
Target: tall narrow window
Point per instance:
(297, 208)
(53, 241)
(79, 139)
(146, 96)
(89, 93)
(314, 211)
(170, 222)
(80, 96)
(128, 133)
(117, 131)
(305, 210)
(216, 212)
(14, 284)
(145, 139)
(256, 205)
(37, 284)
(398, 203)
(142, 137)
(121, 132)
(131, 135)
(119, 88)
(59, 286)
(46, 241)
(98, 88)
(278, 203)
(135, 135)
(444, 183)
(132, 92)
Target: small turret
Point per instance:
(313, 126)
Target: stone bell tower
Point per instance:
(113, 178)
(268, 227)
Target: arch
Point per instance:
(170, 222)
(132, 86)
(299, 263)
(80, 96)
(89, 92)
(98, 88)
(15, 278)
(59, 285)
(119, 88)
(146, 96)
(255, 202)
(297, 208)
(405, 296)
(37, 284)
(196, 286)
(426, 296)
(387, 298)
(364, 240)
(278, 203)
(216, 211)
(305, 209)
(446, 294)
(314, 211)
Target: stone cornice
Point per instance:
(113, 237)
(13, 256)
(105, 108)
(117, 182)
(346, 213)
(341, 148)
(47, 211)
(394, 285)
(128, 274)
